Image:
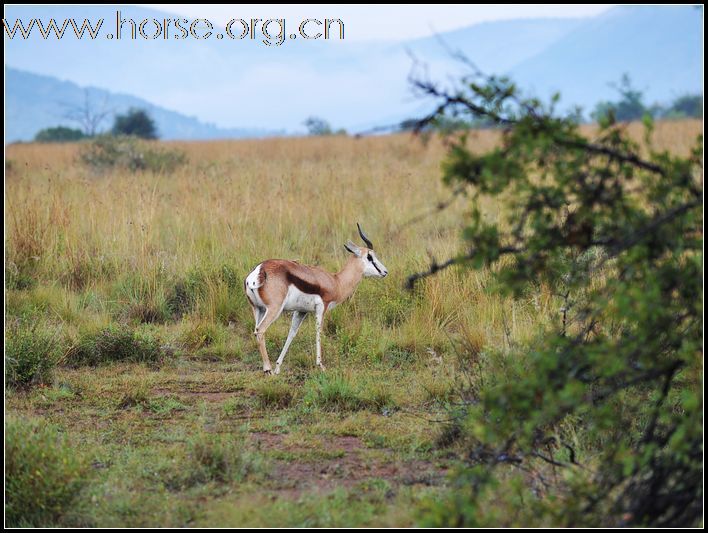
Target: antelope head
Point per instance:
(373, 268)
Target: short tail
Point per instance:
(253, 284)
(256, 279)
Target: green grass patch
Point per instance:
(201, 335)
(218, 458)
(370, 503)
(115, 343)
(31, 353)
(44, 475)
(332, 392)
(273, 393)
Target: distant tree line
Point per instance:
(59, 134)
(134, 122)
(317, 126)
(628, 106)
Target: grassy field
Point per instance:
(131, 282)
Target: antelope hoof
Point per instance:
(322, 367)
(267, 371)
(277, 370)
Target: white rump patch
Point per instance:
(252, 286)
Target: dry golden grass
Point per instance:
(237, 203)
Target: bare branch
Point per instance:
(436, 267)
(87, 114)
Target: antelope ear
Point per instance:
(353, 248)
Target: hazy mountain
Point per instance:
(34, 102)
(496, 46)
(660, 47)
(357, 85)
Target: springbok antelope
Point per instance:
(277, 285)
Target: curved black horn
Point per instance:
(364, 237)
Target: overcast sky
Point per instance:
(383, 22)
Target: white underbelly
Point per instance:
(296, 300)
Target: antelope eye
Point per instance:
(368, 256)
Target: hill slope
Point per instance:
(658, 46)
(34, 102)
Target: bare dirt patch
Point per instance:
(356, 464)
(268, 441)
(207, 395)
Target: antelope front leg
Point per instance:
(319, 315)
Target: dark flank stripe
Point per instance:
(303, 285)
